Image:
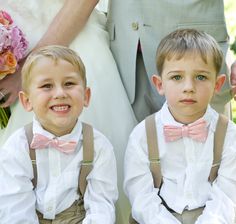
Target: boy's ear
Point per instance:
(219, 82)
(24, 99)
(87, 96)
(157, 81)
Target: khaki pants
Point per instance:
(187, 217)
(73, 215)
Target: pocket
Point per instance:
(216, 30)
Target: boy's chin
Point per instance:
(60, 127)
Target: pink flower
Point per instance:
(5, 18)
(13, 46)
(19, 43)
(12, 39)
(5, 38)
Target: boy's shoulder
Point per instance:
(16, 142)
(16, 136)
(231, 131)
(230, 134)
(100, 140)
(139, 131)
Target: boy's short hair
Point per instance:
(54, 52)
(181, 41)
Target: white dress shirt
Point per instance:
(57, 182)
(185, 166)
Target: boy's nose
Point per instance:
(59, 92)
(189, 85)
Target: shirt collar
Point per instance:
(167, 118)
(74, 135)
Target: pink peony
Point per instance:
(11, 38)
(13, 46)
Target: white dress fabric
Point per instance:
(109, 110)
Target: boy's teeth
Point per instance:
(60, 108)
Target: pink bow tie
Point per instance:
(197, 131)
(40, 142)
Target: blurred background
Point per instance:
(230, 14)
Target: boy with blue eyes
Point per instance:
(73, 177)
(176, 168)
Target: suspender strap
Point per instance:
(29, 136)
(88, 153)
(219, 138)
(153, 151)
(153, 154)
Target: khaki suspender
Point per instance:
(153, 151)
(29, 136)
(88, 153)
(155, 166)
(219, 139)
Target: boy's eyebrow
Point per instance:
(179, 71)
(42, 79)
(202, 71)
(174, 71)
(73, 76)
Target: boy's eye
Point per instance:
(46, 86)
(201, 77)
(176, 77)
(69, 83)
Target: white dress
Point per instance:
(109, 110)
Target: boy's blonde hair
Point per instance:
(54, 52)
(182, 41)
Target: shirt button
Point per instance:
(135, 26)
(49, 209)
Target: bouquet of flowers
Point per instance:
(13, 46)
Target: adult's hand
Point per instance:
(233, 79)
(10, 85)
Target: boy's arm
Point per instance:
(17, 198)
(220, 207)
(101, 192)
(138, 185)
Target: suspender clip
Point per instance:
(216, 164)
(157, 161)
(87, 163)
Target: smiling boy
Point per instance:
(54, 88)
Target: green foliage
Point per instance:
(230, 9)
(233, 46)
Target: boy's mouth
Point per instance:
(60, 108)
(188, 101)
